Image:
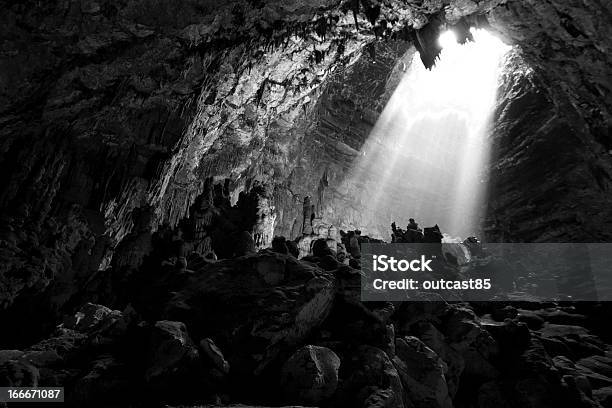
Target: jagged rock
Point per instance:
(106, 381)
(604, 396)
(507, 312)
(556, 347)
(169, 347)
(66, 344)
(533, 320)
(310, 375)
(460, 327)
(598, 364)
(352, 323)
(270, 302)
(51, 362)
(6, 355)
(559, 316)
(18, 373)
(214, 355)
(369, 379)
(454, 360)
(427, 307)
(578, 339)
(136, 245)
(90, 317)
(479, 358)
(567, 367)
(320, 248)
(422, 373)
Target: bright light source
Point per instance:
(426, 152)
(447, 39)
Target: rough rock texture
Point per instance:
(422, 373)
(331, 141)
(544, 145)
(271, 302)
(552, 141)
(266, 329)
(310, 376)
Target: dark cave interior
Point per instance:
(184, 199)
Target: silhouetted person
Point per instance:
(412, 225)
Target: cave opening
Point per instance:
(429, 149)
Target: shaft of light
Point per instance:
(426, 155)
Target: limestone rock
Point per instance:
(105, 380)
(169, 346)
(310, 375)
(422, 373)
(90, 317)
(214, 355)
(369, 379)
(270, 301)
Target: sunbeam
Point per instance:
(431, 139)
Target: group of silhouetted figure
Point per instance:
(414, 234)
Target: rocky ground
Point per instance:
(271, 330)
(169, 324)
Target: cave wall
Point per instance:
(111, 105)
(332, 139)
(107, 106)
(551, 169)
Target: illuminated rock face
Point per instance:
(552, 136)
(106, 106)
(551, 167)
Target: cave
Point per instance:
(191, 192)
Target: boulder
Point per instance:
(369, 379)
(213, 354)
(310, 375)
(106, 381)
(454, 360)
(169, 346)
(460, 327)
(268, 301)
(320, 248)
(604, 396)
(18, 373)
(91, 317)
(422, 373)
(598, 364)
